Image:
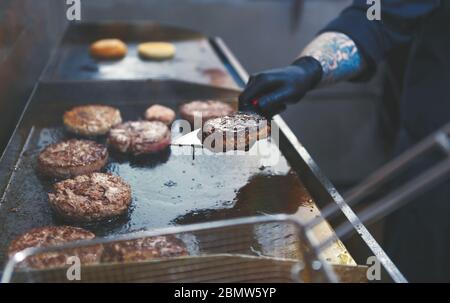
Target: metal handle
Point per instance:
(400, 196)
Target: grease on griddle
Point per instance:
(144, 160)
(263, 194)
(206, 184)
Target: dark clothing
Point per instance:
(417, 236)
(425, 103)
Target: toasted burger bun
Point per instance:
(156, 50)
(109, 49)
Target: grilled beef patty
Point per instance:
(144, 249)
(91, 120)
(238, 131)
(55, 235)
(204, 110)
(160, 113)
(140, 137)
(91, 198)
(72, 158)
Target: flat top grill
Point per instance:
(195, 60)
(180, 186)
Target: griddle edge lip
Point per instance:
(11, 138)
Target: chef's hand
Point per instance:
(269, 92)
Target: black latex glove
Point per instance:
(269, 92)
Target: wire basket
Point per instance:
(256, 249)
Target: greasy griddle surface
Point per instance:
(195, 60)
(168, 189)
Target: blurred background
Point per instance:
(345, 128)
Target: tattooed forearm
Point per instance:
(338, 55)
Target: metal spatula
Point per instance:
(189, 139)
(193, 138)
